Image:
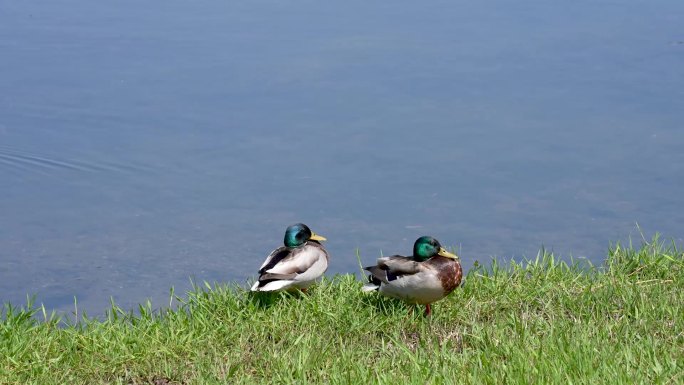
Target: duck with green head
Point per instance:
(427, 276)
(297, 264)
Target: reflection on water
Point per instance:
(142, 144)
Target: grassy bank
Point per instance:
(543, 321)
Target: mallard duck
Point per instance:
(427, 276)
(297, 264)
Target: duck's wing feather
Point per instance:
(273, 276)
(276, 256)
(390, 268)
(293, 261)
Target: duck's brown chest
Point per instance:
(450, 273)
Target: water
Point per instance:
(145, 143)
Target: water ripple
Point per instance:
(24, 161)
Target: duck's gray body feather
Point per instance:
(292, 267)
(412, 281)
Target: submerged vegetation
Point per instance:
(540, 321)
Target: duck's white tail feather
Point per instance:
(369, 287)
(273, 285)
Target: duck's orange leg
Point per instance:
(428, 311)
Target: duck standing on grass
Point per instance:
(297, 264)
(427, 276)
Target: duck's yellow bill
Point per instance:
(444, 253)
(317, 237)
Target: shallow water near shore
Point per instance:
(144, 144)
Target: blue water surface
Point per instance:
(143, 143)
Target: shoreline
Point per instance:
(542, 320)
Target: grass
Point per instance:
(540, 321)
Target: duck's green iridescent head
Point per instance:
(297, 234)
(427, 247)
